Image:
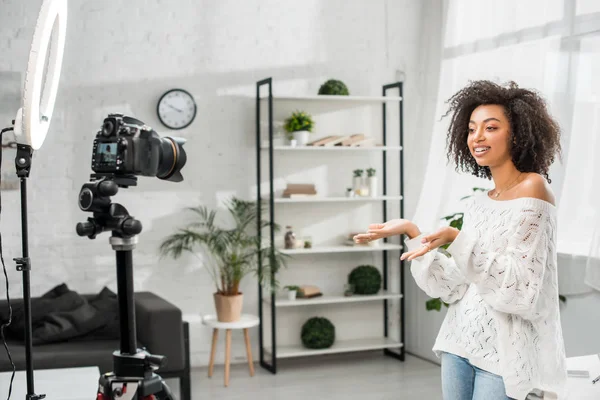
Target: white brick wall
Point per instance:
(122, 55)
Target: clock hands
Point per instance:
(175, 108)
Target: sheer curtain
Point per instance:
(551, 46)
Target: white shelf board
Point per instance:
(340, 346)
(322, 199)
(342, 249)
(334, 98)
(333, 148)
(283, 106)
(333, 299)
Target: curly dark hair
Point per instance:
(535, 135)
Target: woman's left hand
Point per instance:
(430, 242)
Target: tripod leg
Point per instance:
(227, 355)
(213, 351)
(249, 351)
(164, 394)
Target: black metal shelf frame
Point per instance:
(268, 82)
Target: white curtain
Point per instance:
(552, 46)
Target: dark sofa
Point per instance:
(160, 330)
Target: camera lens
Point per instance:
(171, 160)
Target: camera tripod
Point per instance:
(133, 377)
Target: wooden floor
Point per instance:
(350, 376)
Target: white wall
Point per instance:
(121, 56)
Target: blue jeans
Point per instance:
(463, 381)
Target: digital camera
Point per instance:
(127, 146)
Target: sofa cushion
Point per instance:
(62, 314)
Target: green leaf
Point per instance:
(457, 223)
(433, 304)
(562, 298)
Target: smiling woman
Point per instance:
(502, 336)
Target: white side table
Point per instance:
(246, 321)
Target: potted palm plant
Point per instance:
(230, 253)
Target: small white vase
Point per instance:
(291, 295)
(372, 184)
(357, 184)
(301, 137)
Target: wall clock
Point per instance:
(176, 109)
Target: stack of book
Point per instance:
(357, 140)
(294, 190)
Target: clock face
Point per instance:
(176, 109)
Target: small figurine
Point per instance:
(290, 238)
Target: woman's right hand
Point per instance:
(390, 228)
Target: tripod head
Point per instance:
(95, 197)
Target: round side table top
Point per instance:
(245, 321)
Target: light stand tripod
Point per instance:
(23, 166)
(133, 376)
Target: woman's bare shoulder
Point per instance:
(535, 185)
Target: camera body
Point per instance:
(127, 146)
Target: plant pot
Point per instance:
(301, 137)
(229, 308)
(372, 185)
(292, 295)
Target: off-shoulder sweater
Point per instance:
(499, 277)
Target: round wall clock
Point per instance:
(176, 109)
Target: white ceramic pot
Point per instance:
(301, 137)
(372, 184)
(291, 295)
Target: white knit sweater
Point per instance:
(500, 279)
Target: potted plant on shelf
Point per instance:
(372, 182)
(298, 126)
(229, 254)
(334, 87)
(292, 291)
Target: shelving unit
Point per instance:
(271, 303)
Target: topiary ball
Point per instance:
(334, 87)
(318, 333)
(366, 279)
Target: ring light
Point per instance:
(33, 119)
(30, 128)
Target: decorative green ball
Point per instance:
(366, 279)
(334, 87)
(318, 333)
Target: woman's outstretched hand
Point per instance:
(390, 228)
(430, 242)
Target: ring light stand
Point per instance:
(30, 127)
